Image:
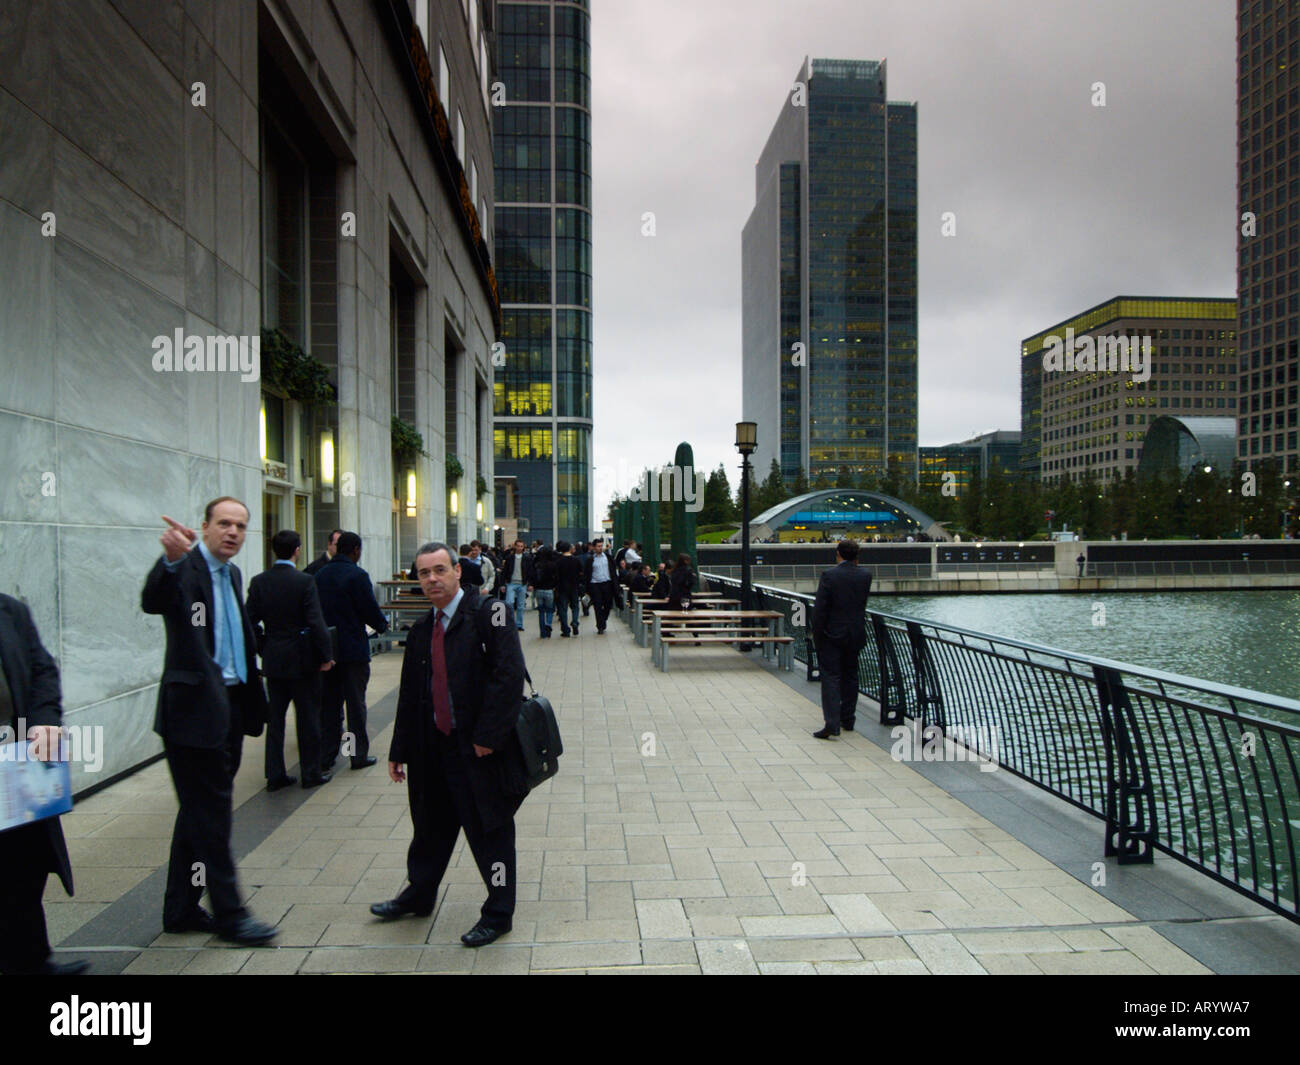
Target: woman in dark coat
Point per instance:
(681, 583)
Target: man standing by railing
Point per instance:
(839, 631)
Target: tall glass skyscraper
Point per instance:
(829, 274)
(542, 145)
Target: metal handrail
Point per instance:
(1207, 773)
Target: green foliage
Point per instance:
(455, 471)
(287, 369)
(408, 445)
(718, 506)
(481, 486)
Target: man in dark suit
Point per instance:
(347, 599)
(600, 576)
(295, 650)
(462, 679)
(210, 696)
(331, 549)
(568, 587)
(839, 632)
(30, 710)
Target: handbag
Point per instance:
(538, 734)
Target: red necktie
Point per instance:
(441, 696)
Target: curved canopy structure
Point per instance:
(1182, 444)
(838, 512)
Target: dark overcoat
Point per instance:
(485, 670)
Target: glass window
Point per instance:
(284, 237)
(444, 80)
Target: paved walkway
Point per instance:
(695, 826)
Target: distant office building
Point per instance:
(1268, 238)
(1087, 411)
(320, 174)
(542, 393)
(964, 460)
(829, 278)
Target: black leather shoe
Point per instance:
(248, 932)
(481, 935)
(827, 733)
(395, 908)
(283, 782)
(317, 781)
(364, 763)
(848, 727)
(198, 921)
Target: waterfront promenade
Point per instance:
(695, 826)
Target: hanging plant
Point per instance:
(481, 485)
(455, 471)
(408, 444)
(287, 369)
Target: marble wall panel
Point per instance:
(160, 26)
(228, 175)
(111, 481)
(107, 218)
(105, 324)
(202, 401)
(230, 300)
(251, 233)
(204, 486)
(27, 314)
(27, 55)
(203, 13)
(110, 646)
(27, 162)
(30, 571)
(200, 280)
(228, 36)
(200, 177)
(121, 736)
(225, 103)
(116, 101)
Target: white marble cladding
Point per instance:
(157, 208)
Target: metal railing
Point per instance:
(1207, 773)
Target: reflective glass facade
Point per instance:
(542, 142)
(837, 210)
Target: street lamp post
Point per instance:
(746, 442)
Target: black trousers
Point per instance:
(566, 607)
(200, 854)
(305, 692)
(345, 682)
(441, 805)
(839, 672)
(24, 855)
(602, 598)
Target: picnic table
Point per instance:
(644, 607)
(702, 628)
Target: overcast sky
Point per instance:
(1059, 204)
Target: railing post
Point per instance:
(891, 699)
(1130, 795)
(928, 692)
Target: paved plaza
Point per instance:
(695, 827)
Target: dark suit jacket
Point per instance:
(680, 584)
(839, 611)
(507, 568)
(194, 704)
(568, 574)
(284, 607)
(34, 681)
(486, 679)
(347, 598)
(587, 561)
(317, 565)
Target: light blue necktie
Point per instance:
(234, 637)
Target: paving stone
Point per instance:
(368, 960)
(725, 957)
(159, 962)
(787, 968)
(1094, 963)
(217, 962)
(943, 955)
(793, 925)
(584, 955)
(669, 952)
(801, 949)
(1156, 951)
(662, 919)
(857, 913)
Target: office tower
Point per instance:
(967, 459)
(542, 390)
(1268, 231)
(1083, 415)
(829, 273)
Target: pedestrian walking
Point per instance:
(839, 630)
(600, 578)
(347, 599)
(545, 578)
(284, 607)
(513, 579)
(568, 588)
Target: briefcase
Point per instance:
(538, 733)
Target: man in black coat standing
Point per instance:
(839, 632)
(462, 681)
(295, 649)
(210, 697)
(30, 710)
(347, 599)
(331, 549)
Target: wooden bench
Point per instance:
(784, 645)
(720, 626)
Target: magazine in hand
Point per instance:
(31, 790)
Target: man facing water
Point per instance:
(839, 631)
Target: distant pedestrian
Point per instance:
(681, 584)
(568, 588)
(471, 570)
(347, 599)
(1081, 561)
(663, 582)
(330, 547)
(839, 630)
(513, 578)
(284, 607)
(544, 582)
(600, 577)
